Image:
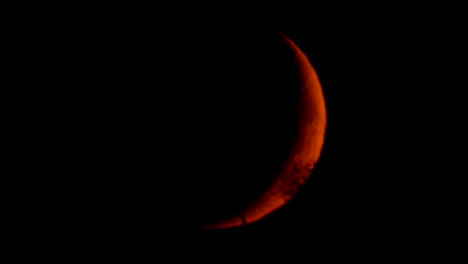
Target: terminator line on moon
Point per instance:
(303, 155)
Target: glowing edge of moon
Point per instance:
(304, 153)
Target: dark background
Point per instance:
(376, 186)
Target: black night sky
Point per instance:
(166, 119)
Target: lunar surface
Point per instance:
(304, 153)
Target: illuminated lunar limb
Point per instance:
(304, 153)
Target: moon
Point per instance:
(303, 154)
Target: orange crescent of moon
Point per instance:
(303, 155)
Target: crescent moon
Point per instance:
(304, 153)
